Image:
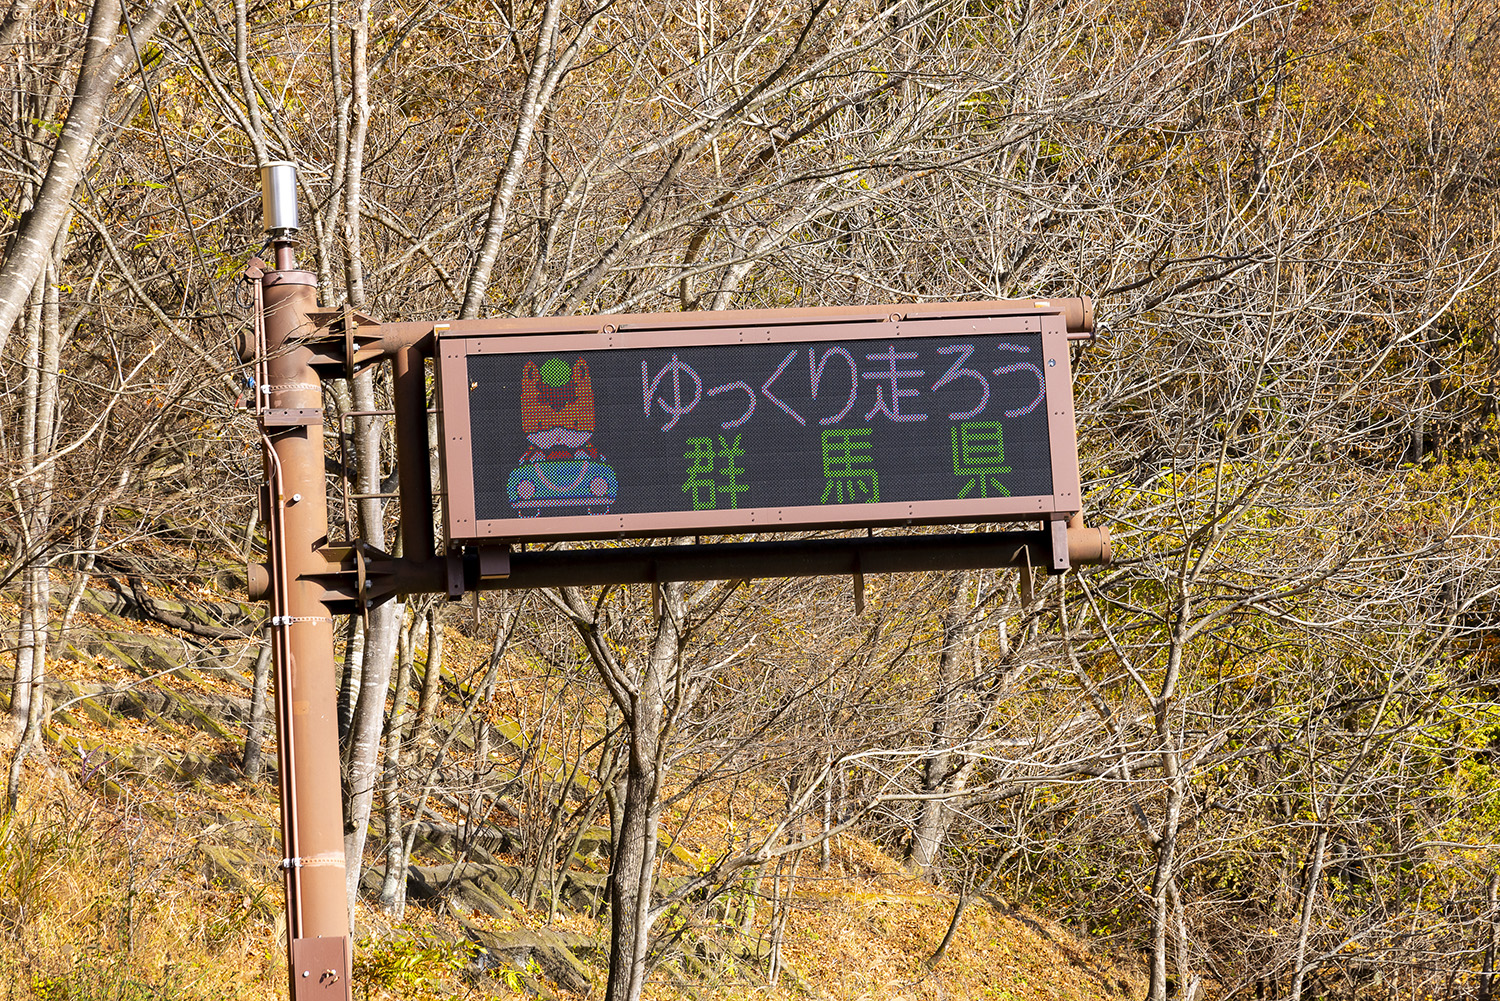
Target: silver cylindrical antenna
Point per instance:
(278, 198)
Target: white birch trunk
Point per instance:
(368, 724)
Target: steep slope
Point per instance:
(143, 864)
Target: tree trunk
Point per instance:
(365, 736)
(539, 86)
(20, 681)
(106, 57)
(969, 893)
(14, 23)
(1161, 889)
(940, 774)
(36, 597)
(242, 63)
(825, 844)
(631, 869)
(781, 912)
(30, 545)
(502, 639)
(255, 731)
(1491, 917)
(1309, 898)
(368, 722)
(36, 492)
(432, 677)
(325, 219)
(359, 97)
(633, 865)
(393, 886)
(86, 562)
(354, 669)
(1188, 983)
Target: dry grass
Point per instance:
(106, 893)
(108, 900)
(872, 941)
(101, 900)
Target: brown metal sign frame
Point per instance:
(892, 323)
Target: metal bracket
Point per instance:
(455, 563)
(340, 349)
(494, 561)
(1054, 547)
(361, 575)
(467, 569)
(320, 968)
(361, 583)
(291, 416)
(1059, 529)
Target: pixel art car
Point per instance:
(559, 483)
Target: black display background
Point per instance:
(783, 461)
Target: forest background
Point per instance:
(1258, 748)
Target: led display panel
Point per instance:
(579, 435)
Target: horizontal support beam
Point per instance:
(387, 577)
(795, 558)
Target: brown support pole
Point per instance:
(413, 461)
(319, 950)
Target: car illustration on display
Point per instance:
(584, 482)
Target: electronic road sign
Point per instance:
(764, 421)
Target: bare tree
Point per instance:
(105, 58)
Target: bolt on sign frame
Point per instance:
(833, 418)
